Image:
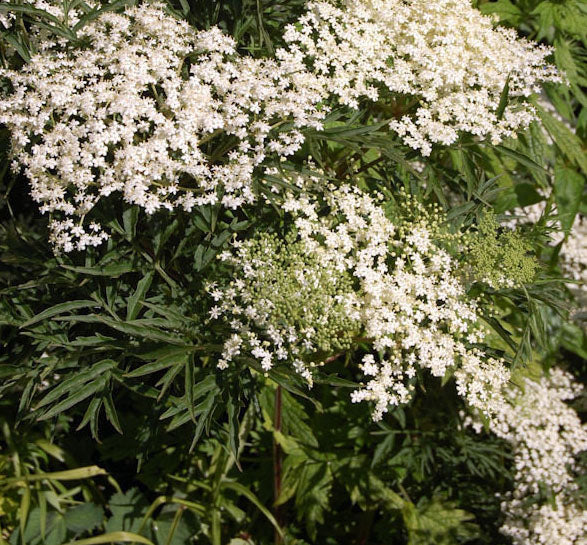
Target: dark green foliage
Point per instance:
(107, 360)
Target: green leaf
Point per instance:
(19, 47)
(207, 409)
(171, 530)
(383, 448)
(244, 491)
(167, 379)
(294, 416)
(504, 9)
(233, 428)
(173, 317)
(113, 270)
(547, 13)
(185, 6)
(91, 415)
(203, 256)
(127, 511)
(85, 392)
(284, 377)
(130, 216)
(503, 99)
(189, 387)
(564, 59)
(112, 537)
(84, 518)
(567, 142)
(53, 534)
(134, 328)
(42, 512)
(77, 380)
(521, 158)
(25, 504)
(163, 235)
(291, 471)
(134, 301)
(77, 474)
(207, 384)
(344, 132)
(390, 499)
(111, 414)
(535, 148)
(568, 191)
(438, 523)
(219, 240)
(58, 309)
(181, 413)
(313, 495)
(178, 358)
(574, 339)
(333, 380)
(51, 449)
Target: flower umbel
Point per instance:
(135, 111)
(546, 436)
(447, 59)
(354, 273)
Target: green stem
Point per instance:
(216, 528)
(277, 463)
(174, 524)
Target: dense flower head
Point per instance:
(500, 258)
(445, 57)
(546, 436)
(284, 304)
(136, 110)
(406, 299)
(132, 112)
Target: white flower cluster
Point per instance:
(173, 117)
(38, 36)
(406, 299)
(447, 58)
(134, 111)
(546, 436)
(6, 20)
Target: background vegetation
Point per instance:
(116, 425)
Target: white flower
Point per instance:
(123, 116)
(546, 436)
(405, 300)
(445, 56)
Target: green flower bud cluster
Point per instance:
(304, 293)
(499, 258)
(288, 301)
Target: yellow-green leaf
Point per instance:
(112, 537)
